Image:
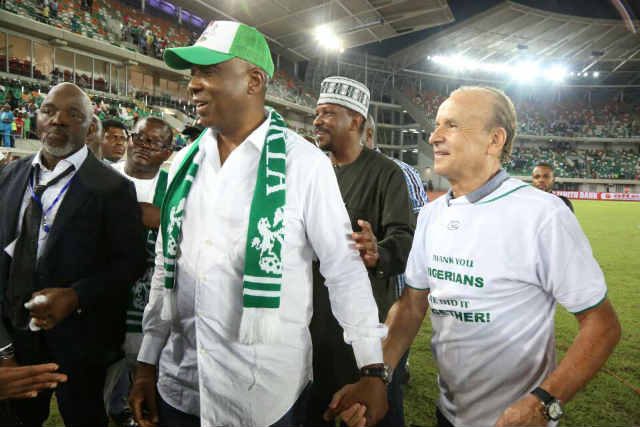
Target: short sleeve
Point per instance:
(416, 271)
(566, 266)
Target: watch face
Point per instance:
(554, 410)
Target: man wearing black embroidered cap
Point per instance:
(70, 234)
(377, 201)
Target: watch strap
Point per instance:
(543, 395)
(380, 371)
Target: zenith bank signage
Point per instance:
(593, 195)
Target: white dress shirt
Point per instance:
(50, 194)
(226, 382)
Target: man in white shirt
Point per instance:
(492, 257)
(149, 147)
(232, 347)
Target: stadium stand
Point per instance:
(612, 119)
(578, 163)
(116, 22)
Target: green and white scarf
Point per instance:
(262, 280)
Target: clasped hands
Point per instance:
(361, 404)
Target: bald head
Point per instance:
(74, 91)
(64, 120)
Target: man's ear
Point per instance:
(357, 121)
(257, 81)
(498, 139)
(92, 130)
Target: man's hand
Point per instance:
(142, 397)
(60, 304)
(525, 412)
(370, 392)
(150, 215)
(8, 363)
(354, 416)
(25, 381)
(367, 244)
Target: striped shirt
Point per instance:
(417, 198)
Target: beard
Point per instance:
(61, 151)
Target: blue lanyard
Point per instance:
(46, 211)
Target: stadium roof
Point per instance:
(510, 31)
(289, 24)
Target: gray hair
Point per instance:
(504, 116)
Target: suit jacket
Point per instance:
(96, 246)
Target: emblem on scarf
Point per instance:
(175, 220)
(270, 235)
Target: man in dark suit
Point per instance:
(70, 230)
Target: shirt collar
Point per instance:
(258, 136)
(483, 191)
(76, 159)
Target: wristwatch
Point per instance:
(382, 371)
(552, 409)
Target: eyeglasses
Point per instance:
(156, 145)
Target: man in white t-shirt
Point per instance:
(149, 146)
(491, 258)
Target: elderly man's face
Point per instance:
(62, 121)
(542, 178)
(332, 124)
(460, 139)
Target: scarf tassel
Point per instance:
(260, 326)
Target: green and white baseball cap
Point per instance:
(220, 42)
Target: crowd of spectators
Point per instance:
(290, 89)
(578, 163)
(111, 21)
(612, 119)
(609, 120)
(24, 98)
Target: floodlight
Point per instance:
(556, 73)
(525, 71)
(596, 74)
(327, 38)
